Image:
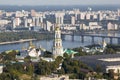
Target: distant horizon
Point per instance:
(68, 5)
(58, 7)
(59, 2)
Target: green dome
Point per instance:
(68, 51)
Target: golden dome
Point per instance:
(57, 28)
(31, 45)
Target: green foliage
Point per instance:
(69, 66)
(13, 36)
(98, 76)
(112, 48)
(74, 67)
(73, 76)
(80, 52)
(98, 68)
(12, 71)
(47, 54)
(61, 71)
(111, 73)
(115, 47)
(8, 76)
(18, 69)
(65, 55)
(93, 45)
(82, 75)
(110, 51)
(59, 59)
(43, 68)
(29, 69)
(7, 57)
(98, 53)
(27, 59)
(15, 68)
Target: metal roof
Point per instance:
(94, 60)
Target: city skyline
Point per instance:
(60, 2)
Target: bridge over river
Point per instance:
(93, 36)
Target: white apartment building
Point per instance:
(72, 20)
(91, 26)
(3, 22)
(48, 25)
(111, 26)
(59, 17)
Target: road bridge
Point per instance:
(93, 36)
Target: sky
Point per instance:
(59, 2)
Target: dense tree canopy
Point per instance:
(13, 36)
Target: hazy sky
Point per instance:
(58, 2)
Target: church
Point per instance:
(57, 43)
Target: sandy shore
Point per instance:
(22, 40)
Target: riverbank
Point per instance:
(16, 36)
(19, 41)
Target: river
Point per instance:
(67, 43)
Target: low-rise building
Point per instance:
(55, 77)
(48, 59)
(91, 26)
(111, 26)
(106, 62)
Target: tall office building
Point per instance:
(57, 44)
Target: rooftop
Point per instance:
(68, 51)
(104, 60)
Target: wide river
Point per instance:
(67, 43)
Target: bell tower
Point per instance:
(57, 43)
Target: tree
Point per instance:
(8, 76)
(59, 59)
(65, 55)
(82, 75)
(76, 69)
(27, 59)
(74, 76)
(109, 51)
(43, 68)
(30, 69)
(80, 52)
(61, 71)
(47, 54)
(98, 76)
(111, 73)
(98, 68)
